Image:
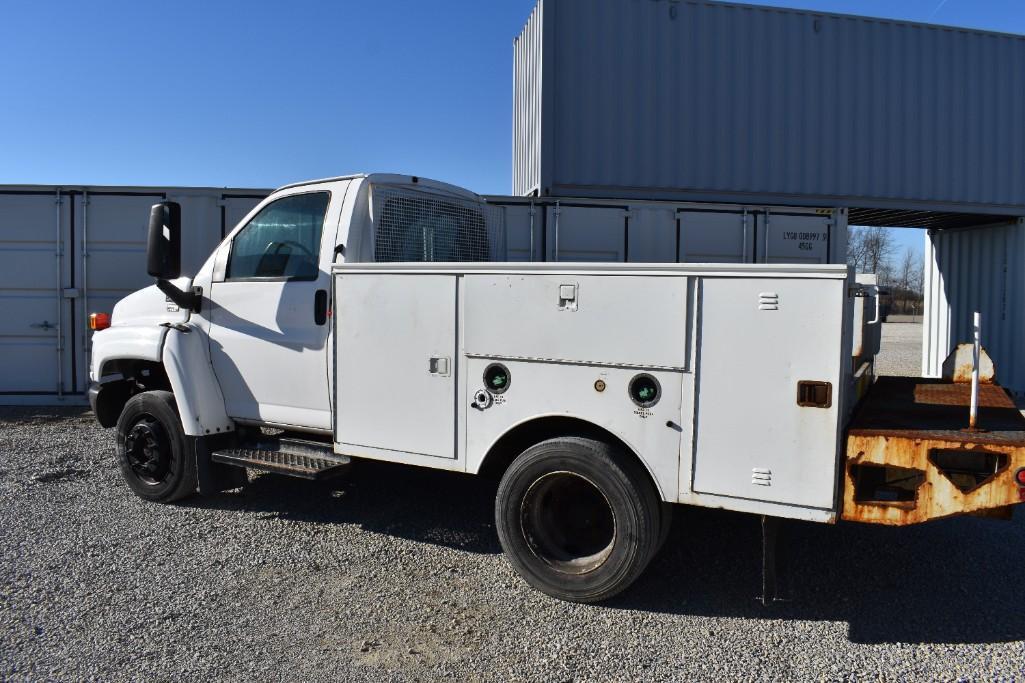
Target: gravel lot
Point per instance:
(396, 573)
(901, 350)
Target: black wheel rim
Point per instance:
(148, 450)
(568, 522)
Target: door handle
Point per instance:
(438, 365)
(320, 307)
(875, 320)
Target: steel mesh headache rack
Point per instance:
(415, 226)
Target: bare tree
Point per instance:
(879, 247)
(905, 277)
(869, 251)
(856, 249)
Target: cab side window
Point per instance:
(282, 241)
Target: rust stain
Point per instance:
(959, 365)
(990, 395)
(911, 424)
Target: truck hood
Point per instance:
(150, 306)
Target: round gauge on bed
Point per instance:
(645, 390)
(497, 378)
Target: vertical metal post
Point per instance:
(85, 274)
(743, 247)
(531, 259)
(768, 225)
(973, 415)
(60, 294)
(558, 210)
(770, 539)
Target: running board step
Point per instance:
(293, 458)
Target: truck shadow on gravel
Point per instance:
(952, 581)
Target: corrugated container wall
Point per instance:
(709, 101)
(66, 252)
(982, 270)
(527, 117)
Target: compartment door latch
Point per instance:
(567, 297)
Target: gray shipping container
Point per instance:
(709, 101)
(69, 251)
(637, 231)
(980, 269)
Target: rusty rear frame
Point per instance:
(906, 461)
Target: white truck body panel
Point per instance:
(390, 329)
(752, 440)
(717, 339)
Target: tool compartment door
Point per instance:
(395, 362)
(759, 338)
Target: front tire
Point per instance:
(157, 459)
(578, 519)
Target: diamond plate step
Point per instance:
(293, 459)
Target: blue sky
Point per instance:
(261, 94)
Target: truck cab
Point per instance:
(260, 303)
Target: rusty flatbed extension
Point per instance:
(905, 462)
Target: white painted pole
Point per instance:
(976, 350)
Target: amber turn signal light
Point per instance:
(99, 321)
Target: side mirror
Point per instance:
(164, 246)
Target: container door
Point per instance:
(587, 234)
(111, 235)
(652, 234)
(790, 238)
(395, 363)
(522, 224)
(768, 398)
(35, 328)
(715, 237)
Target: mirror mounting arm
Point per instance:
(190, 300)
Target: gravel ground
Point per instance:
(396, 573)
(901, 350)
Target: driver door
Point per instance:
(268, 303)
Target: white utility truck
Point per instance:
(371, 317)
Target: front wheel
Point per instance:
(577, 518)
(156, 457)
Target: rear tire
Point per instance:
(578, 519)
(157, 459)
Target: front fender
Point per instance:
(128, 342)
(186, 359)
